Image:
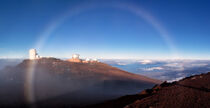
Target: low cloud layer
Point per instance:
(170, 70)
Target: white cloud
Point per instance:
(153, 68)
(176, 79)
(174, 65)
(199, 65)
(146, 61)
(123, 64)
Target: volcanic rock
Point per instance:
(50, 82)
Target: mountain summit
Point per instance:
(62, 83)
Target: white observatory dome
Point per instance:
(87, 59)
(95, 59)
(75, 56)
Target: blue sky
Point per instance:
(152, 29)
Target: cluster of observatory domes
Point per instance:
(75, 57)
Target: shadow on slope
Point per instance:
(59, 83)
(190, 92)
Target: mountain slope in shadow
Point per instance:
(190, 92)
(59, 83)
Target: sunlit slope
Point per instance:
(97, 69)
(70, 83)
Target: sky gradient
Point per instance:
(143, 29)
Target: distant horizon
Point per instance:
(157, 59)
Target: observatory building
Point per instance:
(33, 54)
(75, 58)
(87, 60)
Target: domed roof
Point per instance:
(75, 56)
(87, 59)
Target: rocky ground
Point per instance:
(190, 92)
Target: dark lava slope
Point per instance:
(191, 92)
(59, 83)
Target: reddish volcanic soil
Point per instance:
(191, 92)
(58, 83)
